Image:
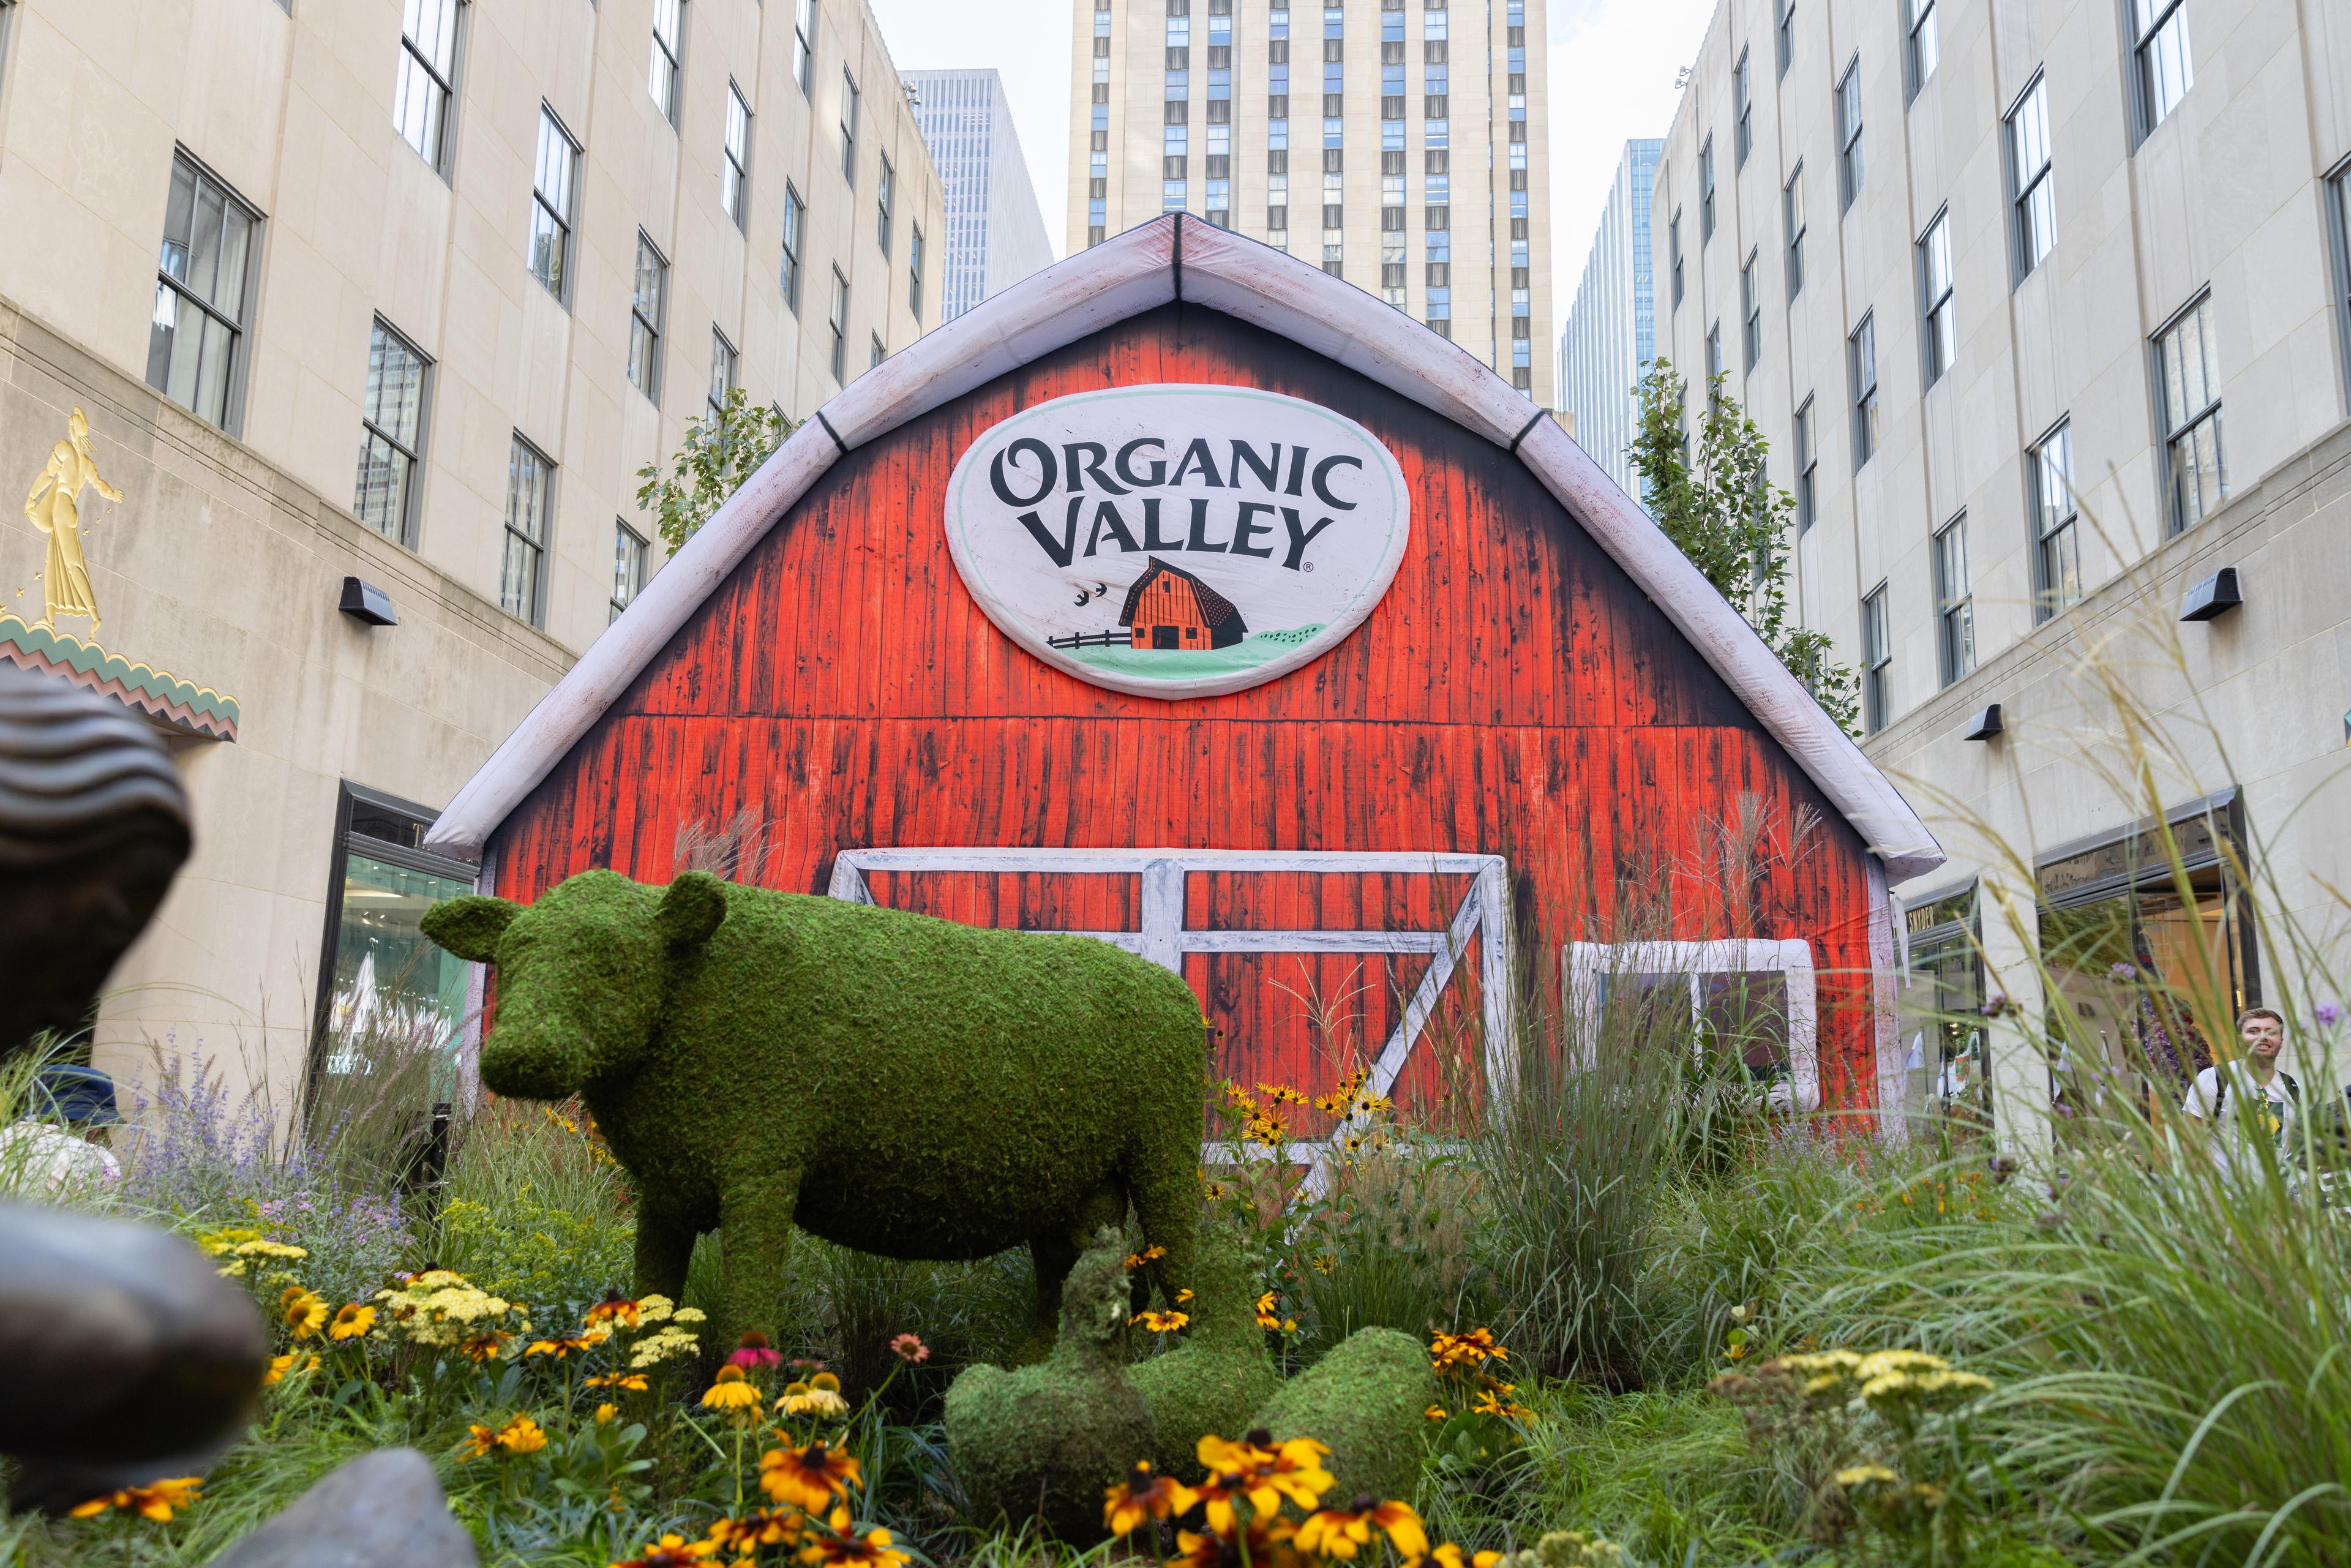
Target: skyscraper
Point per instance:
(995, 229)
(1415, 169)
(1611, 336)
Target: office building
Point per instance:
(372, 310)
(1403, 145)
(2045, 313)
(1610, 337)
(994, 231)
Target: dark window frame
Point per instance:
(405, 524)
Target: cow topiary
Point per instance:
(893, 1083)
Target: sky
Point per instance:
(1613, 64)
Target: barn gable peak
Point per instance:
(1163, 261)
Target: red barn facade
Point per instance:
(1349, 828)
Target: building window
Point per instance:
(391, 435)
(1748, 1009)
(522, 573)
(1861, 365)
(725, 365)
(849, 129)
(2056, 543)
(1938, 329)
(1787, 31)
(647, 302)
(1808, 458)
(550, 210)
(2338, 222)
(669, 42)
(2028, 164)
(1674, 247)
(428, 70)
(1705, 191)
(1955, 610)
(839, 321)
(1792, 213)
(630, 554)
(804, 44)
(885, 189)
(2165, 69)
(1742, 102)
(1713, 357)
(878, 354)
(1751, 309)
(381, 982)
(795, 211)
(2188, 386)
(1848, 120)
(1876, 660)
(1921, 50)
(914, 270)
(735, 174)
(195, 342)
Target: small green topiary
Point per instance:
(1368, 1400)
(1215, 1380)
(893, 1083)
(1047, 1442)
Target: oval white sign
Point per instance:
(1177, 541)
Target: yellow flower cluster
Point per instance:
(1268, 1316)
(438, 1308)
(819, 1396)
(1884, 1380)
(1241, 1504)
(665, 1343)
(1463, 1359)
(246, 1251)
(519, 1436)
(155, 1501)
(1561, 1549)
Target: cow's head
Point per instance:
(582, 972)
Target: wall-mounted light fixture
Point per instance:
(1985, 725)
(367, 603)
(2212, 598)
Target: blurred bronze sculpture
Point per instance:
(120, 1349)
(93, 826)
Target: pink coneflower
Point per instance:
(754, 1354)
(910, 1350)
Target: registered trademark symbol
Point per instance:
(1310, 566)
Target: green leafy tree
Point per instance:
(1721, 511)
(722, 449)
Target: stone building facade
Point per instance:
(2043, 311)
(375, 307)
(1403, 145)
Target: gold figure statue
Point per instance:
(53, 507)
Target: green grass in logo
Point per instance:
(1181, 664)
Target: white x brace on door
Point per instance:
(1163, 938)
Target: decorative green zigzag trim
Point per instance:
(90, 659)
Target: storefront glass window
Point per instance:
(1939, 1012)
(2150, 960)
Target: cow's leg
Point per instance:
(755, 1216)
(1055, 1253)
(1165, 1186)
(664, 1247)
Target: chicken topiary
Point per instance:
(1047, 1442)
(891, 1082)
(1215, 1380)
(1368, 1400)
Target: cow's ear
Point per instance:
(470, 927)
(692, 909)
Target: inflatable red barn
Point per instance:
(1184, 595)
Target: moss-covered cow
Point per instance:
(894, 1084)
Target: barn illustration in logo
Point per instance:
(1169, 608)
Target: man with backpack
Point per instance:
(2266, 1099)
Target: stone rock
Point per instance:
(383, 1509)
(119, 1343)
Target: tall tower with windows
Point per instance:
(1400, 144)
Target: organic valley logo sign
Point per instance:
(1177, 541)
